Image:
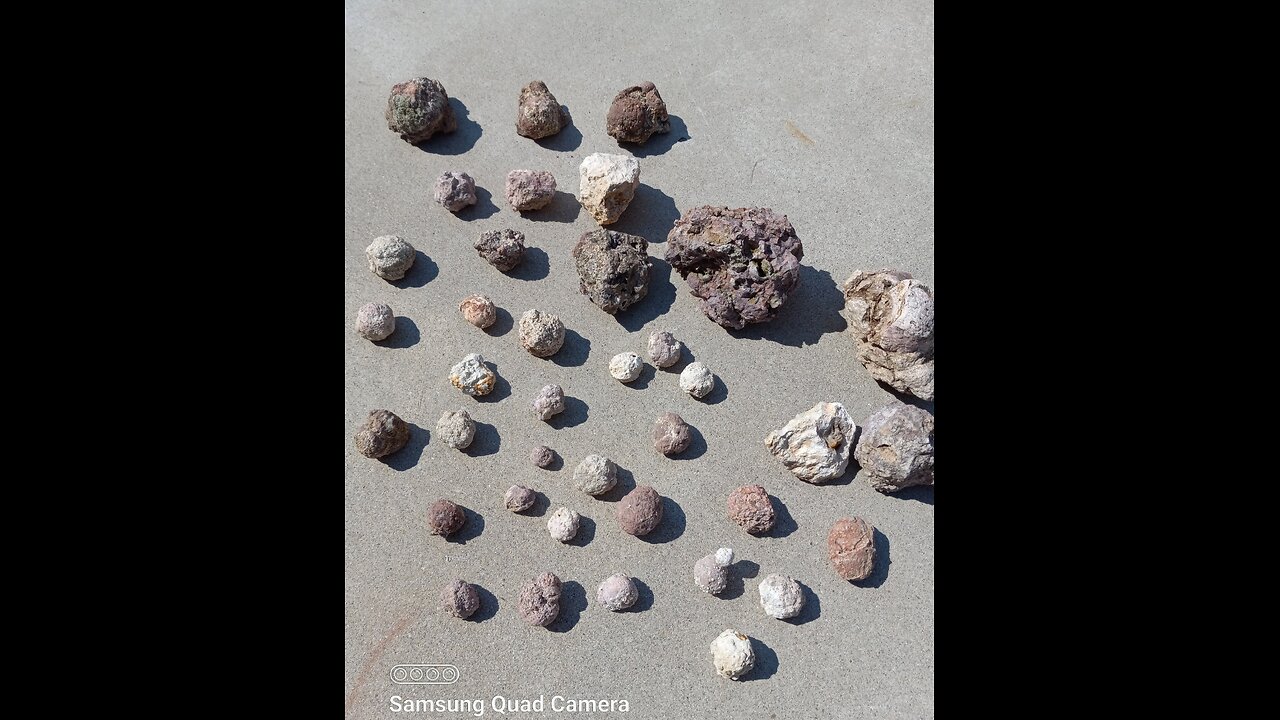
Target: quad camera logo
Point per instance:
(424, 674)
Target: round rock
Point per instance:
(528, 190)
(613, 268)
(636, 113)
(472, 376)
(538, 113)
(596, 474)
(456, 429)
(418, 109)
(697, 380)
(455, 190)
(781, 597)
(711, 573)
(851, 548)
(895, 449)
(460, 599)
(732, 655)
(382, 433)
(751, 509)
(640, 511)
(519, 498)
(563, 524)
(478, 310)
(539, 602)
(542, 334)
(664, 349)
(445, 518)
(548, 402)
(671, 434)
(501, 249)
(617, 592)
(625, 367)
(390, 256)
(542, 456)
(375, 321)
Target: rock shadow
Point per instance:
(535, 266)
(656, 302)
(880, 572)
(564, 208)
(812, 609)
(574, 414)
(658, 144)
(484, 207)
(739, 572)
(586, 532)
(470, 530)
(574, 352)
(408, 456)
(651, 215)
(488, 605)
(811, 311)
(460, 140)
(766, 662)
(406, 335)
(573, 600)
(672, 525)
(569, 137)
(423, 271)
(485, 442)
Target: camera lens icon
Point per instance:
(424, 674)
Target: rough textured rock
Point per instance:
(530, 189)
(460, 599)
(697, 379)
(542, 334)
(390, 256)
(472, 376)
(891, 317)
(501, 249)
(418, 109)
(640, 511)
(478, 310)
(781, 596)
(671, 434)
(732, 655)
(815, 445)
(548, 402)
(664, 349)
(563, 524)
(625, 367)
(617, 592)
(851, 548)
(751, 508)
(596, 474)
(607, 183)
(542, 456)
(741, 264)
(637, 113)
(375, 321)
(456, 429)
(382, 433)
(539, 602)
(445, 518)
(711, 573)
(519, 498)
(538, 114)
(613, 268)
(455, 190)
(895, 449)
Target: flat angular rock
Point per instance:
(607, 183)
(895, 449)
(815, 444)
(891, 318)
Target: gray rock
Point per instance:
(613, 268)
(895, 449)
(390, 257)
(815, 444)
(418, 109)
(891, 318)
(375, 321)
(455, 190)
(542, 334)
(538, 114)
(472, 376)
(711, 573)
(625, 367)
(548, 402)
(617, 592)
(607, 184)
(636, 113)
(478, 310)
(596, 474)
(501, 249)
(456, 429)
(530, 190)
(671, 434)
(542, 456)
(697, 380)
(460, 599)
(539, 602)
(664, 349)
(781, 596)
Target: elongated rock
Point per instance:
(815, 444)
(851, 548)
(891, 318)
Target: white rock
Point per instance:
(563, 524)
(781, 596)
(595, 474)
(732, 655)
(625, 367)
(456, 429)
(815, 445)
(697, 380)
(607, 184)
(472, 376)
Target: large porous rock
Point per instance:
(891, 317)
(418, 109)
(538, 114)
(741, 264)
(895, 449)
(606, 185)
(815, 445)
(613, 268)
(636, 113)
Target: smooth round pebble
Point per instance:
(445, 517)
(375, 321)
(539, 602)
(382, 433)
(478, 310)
(671, 434)
(460, 599)
(542, 456)
(781, 596)
(625, 367)
(751, 508)
(732, 655)
(664, 349)
(563, 524)
(617, 592)
(640, 511)
(390, 257)
(596, 474)
(519, 498)
(697, 380)
(456, 429)
(711, 573)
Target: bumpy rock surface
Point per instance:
(445, 518)
(519, 498)
(472, 376)
(815, 445)
(563, 524)
(851, 548)
(664, 349)
(613, 268)
(891, 317)
(548, 402)
(382, 433)
(478, 310)
(596, 474)
(542, 456)
(503, 250)
(530, 189)
(781, 596)
(617, 592)
(390, 256)
(455, 190)
(895, 449)
(697, 379)
(625, 367)
(418, 109)
(751, 508)
(538, 114)
(671, 434)
(637, 113)
(456, 429)
(539, 602)
(732, 655)
(640, 511)
(460, 599)
(607, 183)
(711, 573)
(741, 264)
(375, 321)
(542, 334)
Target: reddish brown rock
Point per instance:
(640, 511)
(382, 433)
(750, 507)
(445, 517)
(671, 434)
(538, 113)
(636, 114)
(851, 548)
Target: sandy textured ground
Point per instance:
(822, 111)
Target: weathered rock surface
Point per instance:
(664, 349)
(375, 321)
(636, 113)
(502, 249)
(851, 548)
(418, 109)
(538, 114)
(781, 596)
(472, 376)
(548, 402)
(596, 474)
(731, 654)
(390, 256)
(751, 508)
(891, 317)
(542, 334)
(671, 434)
(815, 444)
(640, 511)
(530, 189)
(613, 268)
(711, 573)
(478, 310)
(460, 599)
(382, 433)
(455, 190)
(895, 449)
(539, 602)
(607, 184)
(456, 429)
(445, 517)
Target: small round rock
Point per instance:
(542, 456)
(548, 402)
(697, 380)
(781, 596)
(542, 334)
(563, 524)
(455, 190)
(472, 376)
(640, 511)
(456, 429)
(625, 367)
(390, 256)
(382, 433)
(750, 507)
(375, 321)
(502, 249)
(732, 655)
(617, 592)
(596, 474)
(539, 602)
(664, 349)
(671, 434)
(445, 517)
(460, 599)
(478, 310)
(519, 498)
(711, 573)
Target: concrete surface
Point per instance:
(822, 111)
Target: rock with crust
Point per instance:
(895, 449)
(891, 318)
(815, 444)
